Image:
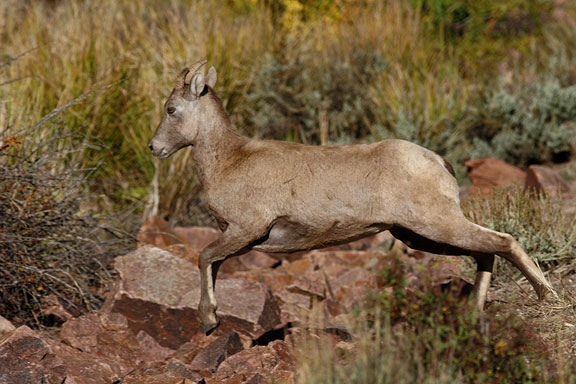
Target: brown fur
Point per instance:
(277, 196)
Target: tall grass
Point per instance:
(139, 47)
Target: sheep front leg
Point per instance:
(230, 243)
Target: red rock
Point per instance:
(87, 368)
(159, 294)
(351, 287)
(27, 357)
(6, 327)
(163, 373)
(21, 356)
(156, 231)
(272, 362)
(257, 260)
(312, 285)
(197, 237)
(488, 173)
(108, 335)
(543, 179)
(188, 242)
(332, 263)
(207, 360)
(443, 269)
(185, 252)
(52, 305)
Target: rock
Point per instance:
(443, 269)
(197, 237)
(188, 242)
(6, 327)
(82, 332)
(164, 373)
(159, 294)
(332, 263)
(156, 231)
(351, 287)
(53, 305)
(21, 356)
(260, 364)
(207, 360)
(257, 260)
(27, 357)
(200, 237)
(108, 334)
(85, 368)
(543, 179)
(488, 173)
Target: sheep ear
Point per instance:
(211, 77)
(197, 84)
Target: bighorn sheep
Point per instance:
(275, 196)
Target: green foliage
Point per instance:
(534, 124)
(291, 97)
(483, 31)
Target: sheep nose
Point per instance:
(151, 147)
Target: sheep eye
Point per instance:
(170, 110)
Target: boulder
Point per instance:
(164, 373)
(156, 231)
(489, 173)
(6, 327)
(200, 237)
(188, 242)
(159, 293)
(207, 360)
(52, 305)
(84, 368)
(21, 355)
(108, 334)
(28, 357)
(350, 288)
(197, 237)
(543, 179)
(261, 364)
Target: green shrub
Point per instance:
(534, 124)
(291, 95)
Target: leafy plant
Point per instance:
(534, 124)
(291, 98)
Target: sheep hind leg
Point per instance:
(484, 261)
(461, 235)
(514, 253)
(485, 265)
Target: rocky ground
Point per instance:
(148, 331)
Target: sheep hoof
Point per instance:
(209, 328)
